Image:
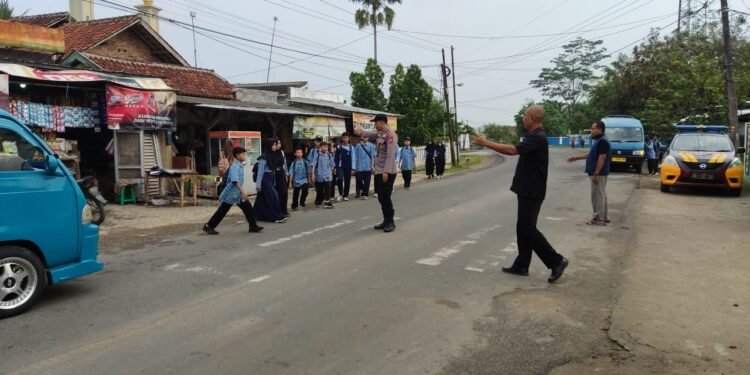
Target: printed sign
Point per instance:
(83, 76)
(365, 121)
(309, 127)
(139, 109)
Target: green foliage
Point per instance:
(556, 118)
(367, 89)
(411, 96)
(375, 13)
(6, 11)
(500, 133)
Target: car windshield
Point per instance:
(624, 134)
(702, 142)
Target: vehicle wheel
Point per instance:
(735, 192)
(97, 211)
(664, 188)
(22, 280)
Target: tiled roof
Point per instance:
(187, 80)
(46, 20)
(81, 36)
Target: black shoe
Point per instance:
(380, 226)
(558, 271)
(209, 230)
(255, 229)
(516, 271)
(389, 227)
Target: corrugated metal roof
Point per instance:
(236, 105)
(339, 106)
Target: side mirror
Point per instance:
(740, 150)
(52, 164)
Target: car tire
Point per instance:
(735, 192)
(17, 296)
(664, 188)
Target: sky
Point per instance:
(500, 45)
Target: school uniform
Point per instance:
(235, 178)
(407, 158)
(344, 160)
(323, 166)
(364, 154)
(299, 172)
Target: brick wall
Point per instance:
(128, 46)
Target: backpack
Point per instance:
(255, 172)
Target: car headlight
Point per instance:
(638, 152)
(86, 214)
(736, 162)
(670, 160)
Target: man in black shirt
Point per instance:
(530, 185)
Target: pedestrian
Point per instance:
(299, 179)
(407, 160)
(597, 167)
(234, 194)
(440, 151)
(530, 186)
(581, 143)
(225, 161)
(281, 176)
(322, 171)
(267, 206)
(651, 146)
(572, 141)
(312, 153)
(333, 148)
(364, 154)
(384, 168)
(344, 159)
(429, 158)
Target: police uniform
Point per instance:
(385, 164)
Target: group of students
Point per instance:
(325, 167)
(435, 159)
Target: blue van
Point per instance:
(46, 235)
(626, 135)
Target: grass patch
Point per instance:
(468, 161)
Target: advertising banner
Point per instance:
(151, 110)
(83, 76)
(364, 120)
(309, 127)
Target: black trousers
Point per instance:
(299, 196)
(282, 190)
(322, 192)
(407, 178)
(430, 166)
(384, 190)
(530, 238)
(440, 166)
(653, 165)
(363, 183)
(246, 208)
(344, 181)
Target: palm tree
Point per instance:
(374, 13)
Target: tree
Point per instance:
(500, 133)
(367, 87)
(555, 118)
(411, 96)
(375, 13)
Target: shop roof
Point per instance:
(187, 80)
(28, 57)
(46, 20)
(256, 107)
(339, 106)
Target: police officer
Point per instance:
(384, 168)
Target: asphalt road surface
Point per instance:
(326, 294)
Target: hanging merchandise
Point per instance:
(56, 117)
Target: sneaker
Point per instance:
(346, 199)
(364, 198)
(318, 206)
(304, 207)
(255, 229)
(338, 199)
(210, 230)
(375, 195)
(408, 188)
(280, 221)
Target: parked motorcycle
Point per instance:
(90, 187)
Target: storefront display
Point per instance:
(309, 127)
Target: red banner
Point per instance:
(139, 109)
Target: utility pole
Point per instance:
(273, 36)
(455, 109)
(729, 74)
(195, 48)
(679, 16)
(449, 118)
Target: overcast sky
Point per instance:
(495, 73)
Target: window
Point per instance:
(699, 142)
(17, 154)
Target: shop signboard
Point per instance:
(142, 83)
(309, 127)
(365, 121)
(138, 109)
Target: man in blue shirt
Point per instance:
(233, 194)
(407, 160)
(344, 160)
(299, 179)
(322, 171)
(597, 167)
(364, 154)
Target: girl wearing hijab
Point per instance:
(281, 177)
(440, 159)
(267, 206)
(429, 154)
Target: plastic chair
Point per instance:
(127, 195)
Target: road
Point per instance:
(326, 294)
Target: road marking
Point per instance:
(511, 248)
(474, 269)
(552, 218)
(306, 233)
(260, 279)
(436, 258)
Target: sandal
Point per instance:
(596, 222)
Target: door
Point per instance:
(34, 205)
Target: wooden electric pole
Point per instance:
(729, 75)
(449, 118)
